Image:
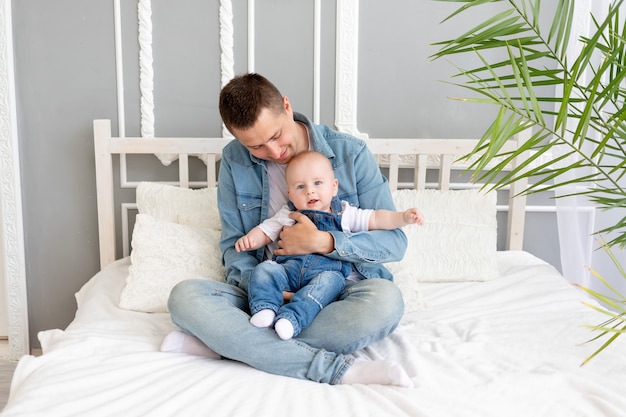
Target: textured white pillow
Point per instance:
(196, 208)
(163, 254)
(457, 242)
(176, 237)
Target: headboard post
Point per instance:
(517, 200)
(104, 191)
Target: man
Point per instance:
(251, 188)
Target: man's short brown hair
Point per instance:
(243, 99)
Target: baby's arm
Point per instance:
(387, 219)
(255, 239)
(266, 232)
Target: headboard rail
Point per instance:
(393, 154)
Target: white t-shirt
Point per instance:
(353, 219)
(278, 187)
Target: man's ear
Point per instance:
(286, 104)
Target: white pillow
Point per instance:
(176, 237)
(163, 254)
(457, 242)
(196, 208)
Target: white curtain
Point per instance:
(576, 225)
(577, 219)
(575, 216)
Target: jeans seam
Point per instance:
(347, 362)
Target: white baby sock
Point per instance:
(263, 318)
(377, 372)
(179, 342)
(284, 328)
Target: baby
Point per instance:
(317, 280)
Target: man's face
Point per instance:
(275, 136)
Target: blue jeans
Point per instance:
(217, 313)
(316, 280)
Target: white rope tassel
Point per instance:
(227, 60)
(146, 71)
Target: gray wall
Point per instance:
(65, 66)
(65, 78)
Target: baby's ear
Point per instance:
(335, 187)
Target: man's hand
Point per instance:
(303, 238)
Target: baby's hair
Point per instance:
(307, 155)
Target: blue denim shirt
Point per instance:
(244, 193)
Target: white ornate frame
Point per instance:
(12, 245)
(345, 71)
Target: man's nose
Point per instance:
(274, 150)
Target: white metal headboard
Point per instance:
(421, 153)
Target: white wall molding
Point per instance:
(317, 61)
(12, 245)
(346, 72)
(146, 70)
(146, 75)
(119, 69)
(251, 34)
(227, 53)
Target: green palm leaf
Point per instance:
(575, 103)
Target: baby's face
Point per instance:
(311, 185)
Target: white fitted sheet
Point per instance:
(507, 347)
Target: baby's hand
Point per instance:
(413, 215)
(244, 243)
(252, 240)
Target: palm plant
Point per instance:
(615, 324)
(572, 102)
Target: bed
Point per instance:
(485, 332)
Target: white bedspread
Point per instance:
(507, 347)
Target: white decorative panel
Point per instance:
(347, 67)
(227, 58)
(12, 245)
